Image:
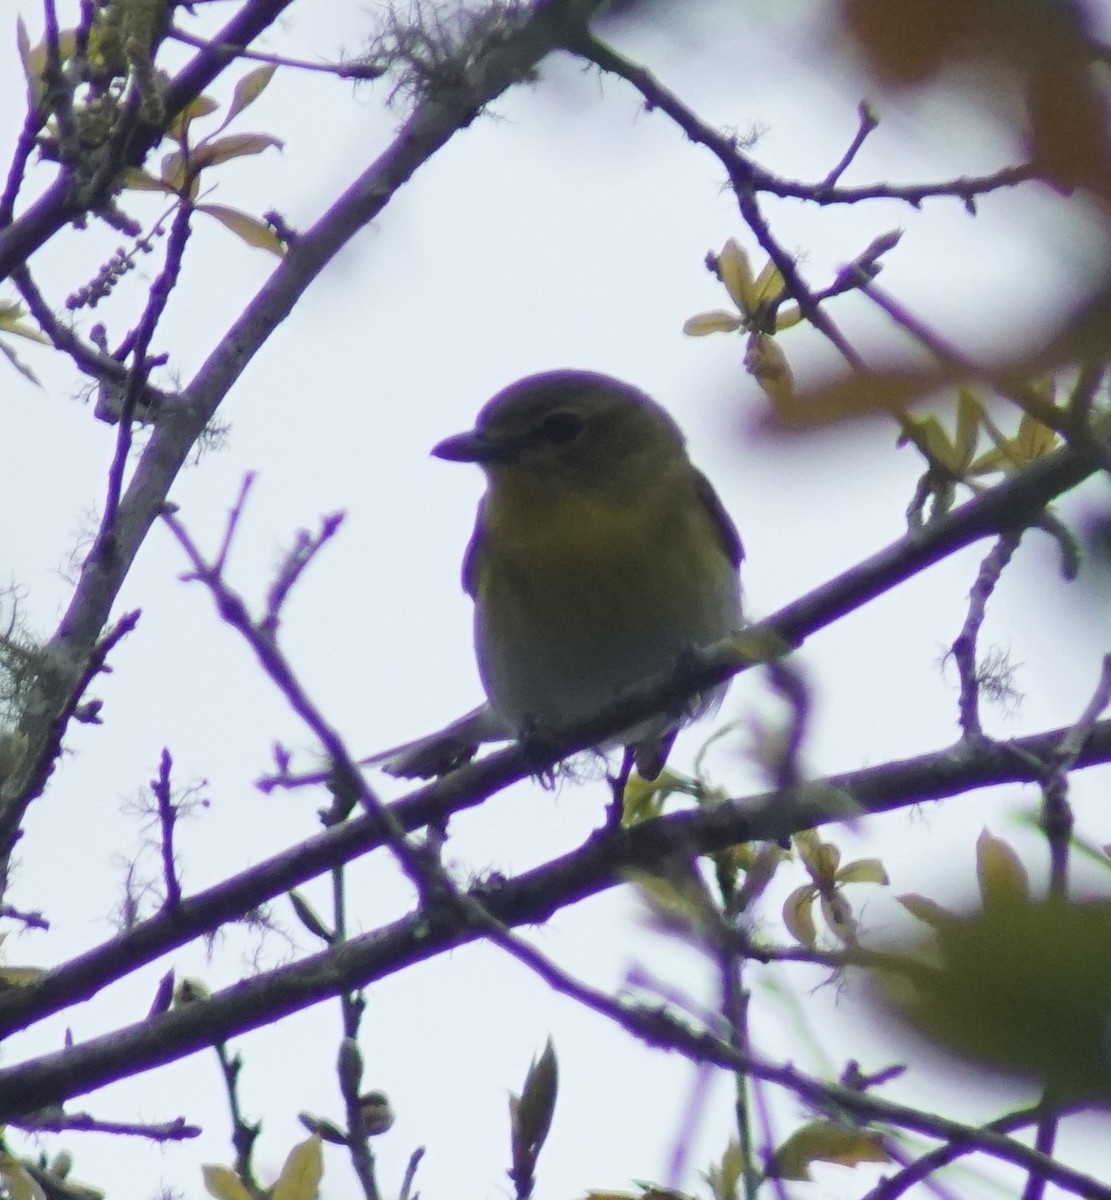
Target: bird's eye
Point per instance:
(561, 426)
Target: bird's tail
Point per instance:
(437, 753)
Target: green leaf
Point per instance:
(787, 317)
(18, 1183)
(643, 798)
(759, 871)
(1034, 438)
(310, 918)
(798, 915)
(928, 911)
(735, 270)
(863, 870)
(769, 285)
(235, 145)
(828, 861)
(1021, 988)
(1002, 877)
(839, 917)
(11, 321)
(200, 106)
(718, 321)
(19, 364)
(302, 1172)
(531, 1113)
(806, 844)
(248, 90)
(34, 60)
(250, 229)
(173, 170)
(825, 1141)
(677, 899)
(23, 44)
(934, 441)
(137, 180)
(970, 413)
(725, 1178)
(223, 1183)
(767, 363)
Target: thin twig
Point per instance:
(965, 188)
(88, 358)
(1073, 742)
(964, 648)
(355, 70)
(1045, 1141)
(167, 820)
(244, 1133)
(159, 297)
(921, 1168)
(745, 177)
(931, 776)
(56, 1121)
(867, 122)
(1057, 823)
(39, 769)
(735, 1009)
(350, 1062)
(33, 122)
(1026, 397)
(305, 548)
(234, 611)
(32, 920)
(406, 1192)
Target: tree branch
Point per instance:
(601, 863)
(58, 204)
(435, 121)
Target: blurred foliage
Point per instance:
(1019, 986)
(1046, 50)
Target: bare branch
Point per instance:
(57, 1121)
(964, 647)
(868, 121)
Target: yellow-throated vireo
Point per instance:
(600, 555)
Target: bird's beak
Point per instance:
(473, 446)
(462, 447)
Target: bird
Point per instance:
(600, 557)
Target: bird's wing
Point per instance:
(723, 522)
(470, 555)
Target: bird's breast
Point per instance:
(579, 597)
